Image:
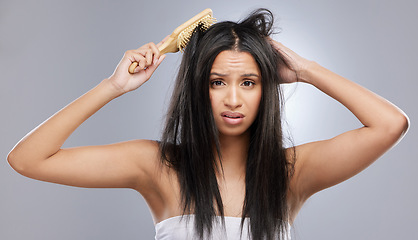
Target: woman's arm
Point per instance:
(322, 164)
(39, 155)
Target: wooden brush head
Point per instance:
(180, 37)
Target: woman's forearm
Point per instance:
(372, 110)
(47, 139)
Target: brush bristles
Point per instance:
(184, 37)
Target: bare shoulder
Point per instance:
(147, 150)
(295, 196)
(159, 185)
(146, 155)
(296, 157)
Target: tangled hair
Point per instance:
(190, 135)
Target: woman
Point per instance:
(221, 168)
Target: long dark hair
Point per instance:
(190, 135)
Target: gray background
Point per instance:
(51, 52)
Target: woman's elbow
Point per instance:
(403, 123)
(399, 126)
(11, 159)
(15, 161)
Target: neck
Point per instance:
(234, 154)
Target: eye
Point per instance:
(248, 83)
(215, 83)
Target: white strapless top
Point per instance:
(176, 228)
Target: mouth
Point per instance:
(232, 118)
(232, 115)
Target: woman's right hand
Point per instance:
(148, 58)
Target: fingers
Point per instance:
(156, 52)
(145, 56)
(277, 45)
(294, 65)
(288, 54)
(155, 65)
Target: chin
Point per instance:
(233, 132)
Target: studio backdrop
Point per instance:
(52, 52)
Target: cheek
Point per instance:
(214, 100)
(255, 101)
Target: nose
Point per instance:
(233, 99)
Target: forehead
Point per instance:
(228, 62)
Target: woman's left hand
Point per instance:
(294, 65)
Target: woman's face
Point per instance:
(235, 92)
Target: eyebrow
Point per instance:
(243, 75)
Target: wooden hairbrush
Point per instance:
(181, 35)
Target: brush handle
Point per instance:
(170, 45)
